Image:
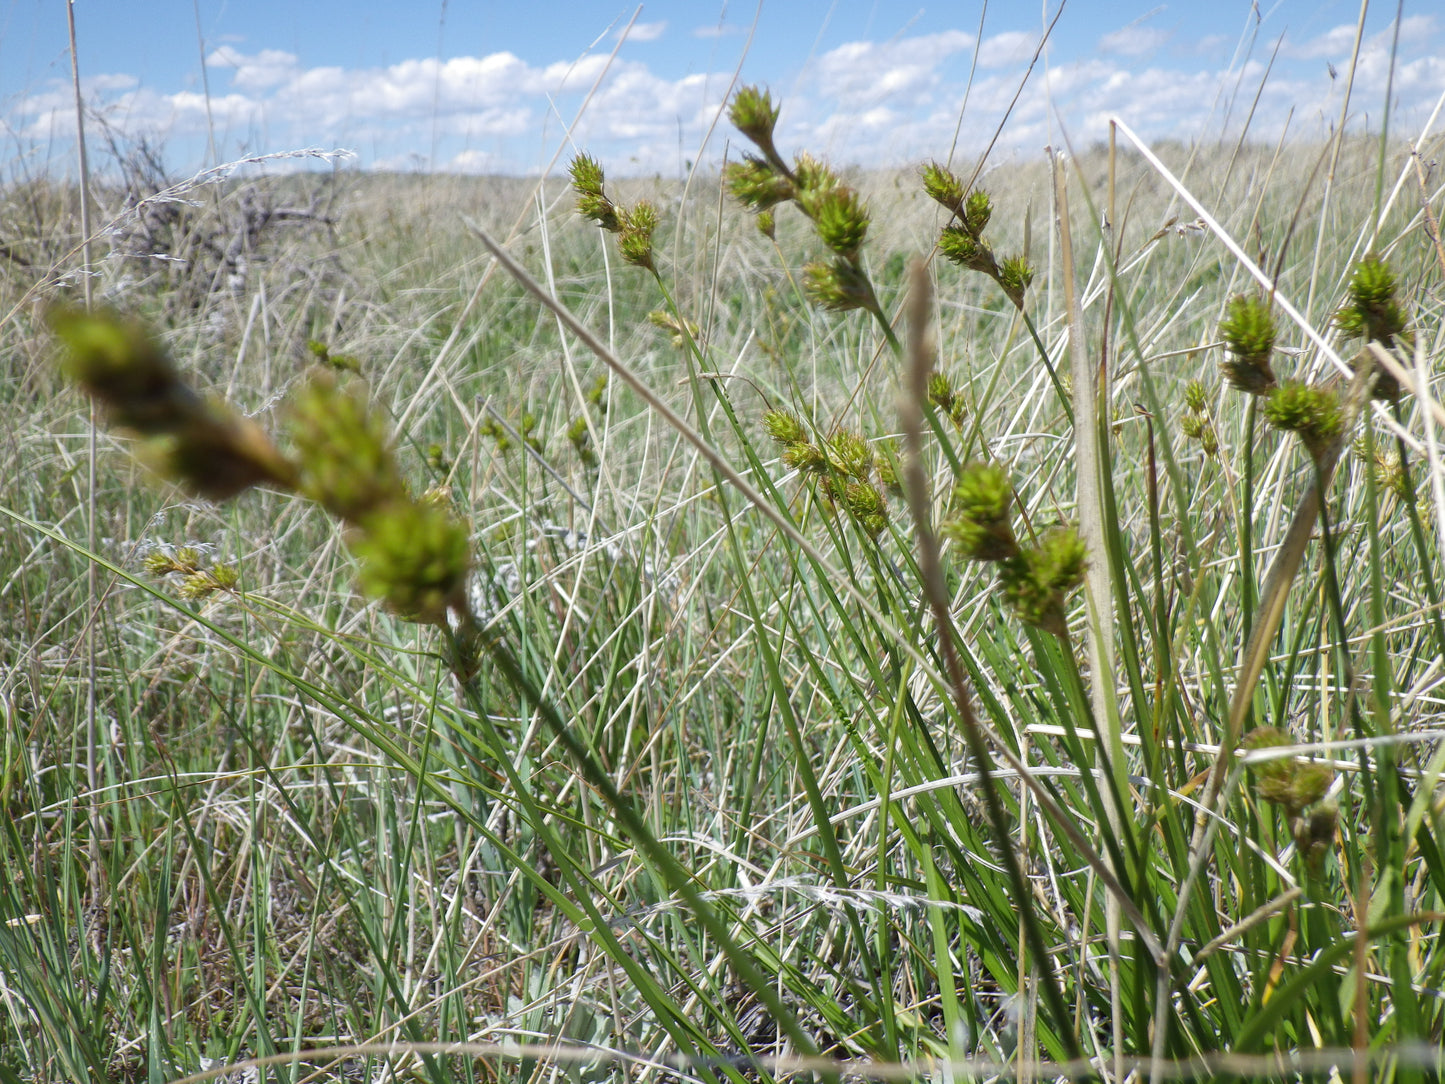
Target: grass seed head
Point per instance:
(867, 505)
(635, 242)
(755, 116)
(839, 286)
(1248, 330)
(785, 428)
(202, 445)
(756, 184)
(415, 558)
(345, 453)
(1313, 413)
(851, 455)
(1037, 582)
(942, 186)
(841, 219)
(977, 210)
(980, 526)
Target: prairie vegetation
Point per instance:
(796, 725)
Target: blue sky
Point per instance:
(487, 86)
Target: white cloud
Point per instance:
(716, 30)
(645, 31)
(865, 102)
(1133, 40)
(1007, 50)
(864, 73)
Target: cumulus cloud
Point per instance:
(1007, 50)
(646, 31)
(1133, 40)
(864, 73)
(873, 103)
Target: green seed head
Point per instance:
(1313, 413)
(755, 116)
(1014, 276)
(850, 454)
(785, 428)
(980, 526)
(977, 210)
(813, 176)
(202, 445)
(756, 184)
(414, 558)
(1285, 781)
(635, 242)
(346, 461)
(960, 247)
(866, 505)
(1248, 331)
(1195, 397)
(766, 226)
(1037, 581)
(1372, 299)
(586, 173)
(838, 286)
(940, 391)
(841, 218)
(942, 186)
(806, 457)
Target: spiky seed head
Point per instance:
(1015, 276)
(766, 226)
(959, 246)
(785, 428)
(414, 558)
(1037, 582)
(344, 450)
(586, 174)
(838, 286)
(980, 527)
(202, 445)
(841, 218)
(942, 186)
(813, 175)
(1372, 286)
(755, 116)
(1199, 427)
(600, 210)
(807, 457)
(1248, 330)
(1285, 781)
(977, 210)
(756, 184)
(1374, 313)
(635, 241)
(1313, 413)
(1195, 397)
(851, 455)
(940, 391)
(866, 505)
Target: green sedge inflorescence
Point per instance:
(1034, 581)
(1313, 412)
(844, 466)
(764, 180)
(1299, 789)
(413, 554)
(962, 240)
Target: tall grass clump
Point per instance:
(650, 646)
